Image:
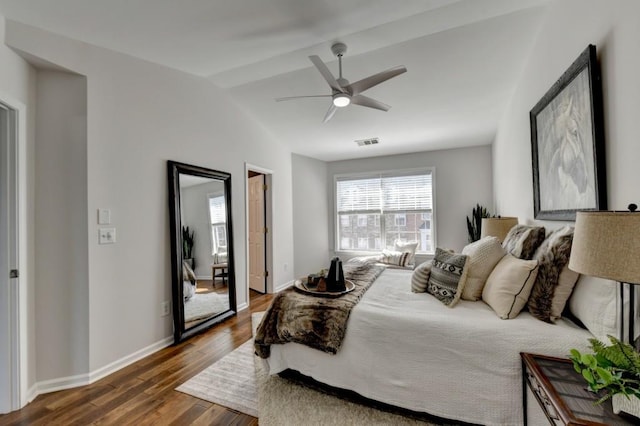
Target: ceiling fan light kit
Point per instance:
(341, 100)
(344, 93)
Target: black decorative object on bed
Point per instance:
(335, 279)
(316, 322)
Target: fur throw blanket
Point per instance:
(318, 322)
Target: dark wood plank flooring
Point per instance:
(143, 393)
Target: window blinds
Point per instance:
(388, 192)
(217, 210)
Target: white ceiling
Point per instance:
(463, 59)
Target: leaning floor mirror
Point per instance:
(202, 268)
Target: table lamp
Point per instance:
(606, 244)
(497, 227)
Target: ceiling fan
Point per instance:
(344, 93)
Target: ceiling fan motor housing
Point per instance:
(339, 49)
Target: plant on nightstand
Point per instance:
(614, 369)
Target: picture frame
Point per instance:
(567, 143)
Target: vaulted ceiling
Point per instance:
(463, 59)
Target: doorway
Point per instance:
(10, 361)
(257, 232)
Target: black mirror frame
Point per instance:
(174, 169)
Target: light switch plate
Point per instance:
(104, 217)
(106, 235)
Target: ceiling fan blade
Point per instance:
(288, 98)
(330, 112)
(368, 82)
(326, 73)
(369, 102)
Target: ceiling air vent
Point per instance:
(364, 142)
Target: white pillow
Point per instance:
(484, 255)
(593, 302)
(397, 258)
(406, 247)
(509, 285)
(420, 277)
(188, 290)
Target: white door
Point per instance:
(9, 367)
(257, 268)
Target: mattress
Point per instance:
(411, 351)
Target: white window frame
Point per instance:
(214, 245)
(336, 224)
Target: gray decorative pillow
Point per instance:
(448, 276)
(522, 241)
(555, 280)
(420, 277)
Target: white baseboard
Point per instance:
(242, 307)
(53, 385)
(283, 286)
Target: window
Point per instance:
(373, 211)
(218, 218)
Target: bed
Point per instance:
(411, 351)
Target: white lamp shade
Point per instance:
(606, 244)
(497, 227)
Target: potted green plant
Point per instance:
(474, 225)
(613, 369)
(187, 245)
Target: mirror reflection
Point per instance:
(202, 241)
(204, 248)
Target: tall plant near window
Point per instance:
(188, 239)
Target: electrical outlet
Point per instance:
(106, 235)
(165, 308)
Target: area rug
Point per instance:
(204, 305)
(284, 403)
(229, 382)
(240, 381)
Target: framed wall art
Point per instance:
(567, 143)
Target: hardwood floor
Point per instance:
(143, 393)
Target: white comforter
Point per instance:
(411, 351)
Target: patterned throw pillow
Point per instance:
(509, 285)
(484, 255)
(420, 277)
(405, 247)
(555, 280)
(396, 258)
(522, 241)
(448, 276)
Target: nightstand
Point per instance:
(562, 393)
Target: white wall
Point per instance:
(462, 179)
(62, 292)
(311, 213)
(17, 88)
(570, 25)
(139, 116)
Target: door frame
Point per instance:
(268, 222)
(15, 342)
